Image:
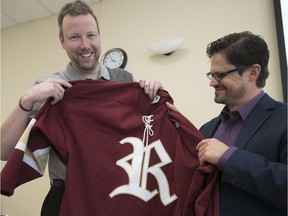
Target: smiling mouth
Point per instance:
(217, 90)
(86, 55)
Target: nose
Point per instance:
(213, 82)
(84, 43)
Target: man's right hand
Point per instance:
(44, 90)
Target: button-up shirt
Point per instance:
(230, 127)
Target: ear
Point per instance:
(254, 72)
(61, 40)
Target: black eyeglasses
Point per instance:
(220, 75)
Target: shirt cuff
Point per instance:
(225, 157)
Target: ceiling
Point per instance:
(16, 12)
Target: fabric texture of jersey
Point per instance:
(56, 168)
(125, 156)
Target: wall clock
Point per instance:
(115, 58)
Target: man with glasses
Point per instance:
(248, 140)
(220, 75)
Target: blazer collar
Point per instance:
(254, 120)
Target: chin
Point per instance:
(89, 68)
(218, 100)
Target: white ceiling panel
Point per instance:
(23, 11)
(15, 12)
(6, 21)
(54, 6)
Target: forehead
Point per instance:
(219, 62)
(79, 23)
(218, 58)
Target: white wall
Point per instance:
(32, 50)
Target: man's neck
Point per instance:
(253, 94)
(89, 74)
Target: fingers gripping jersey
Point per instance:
(125, 156)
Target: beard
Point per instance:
(231, 97)
(85, 65)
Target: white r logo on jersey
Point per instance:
(139, 169)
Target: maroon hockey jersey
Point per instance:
(125, 156)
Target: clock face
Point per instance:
(115, 58)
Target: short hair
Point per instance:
(75, 8)
(243, 48)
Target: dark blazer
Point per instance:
(254, 180)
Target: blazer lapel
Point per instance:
(254, 121)
(209, 131)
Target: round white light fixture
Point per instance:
(165, 47)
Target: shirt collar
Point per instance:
(246, 108)
(104, 74)
(73, 74)
(243, 110)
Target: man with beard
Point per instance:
(80, 38)
(248, 140)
